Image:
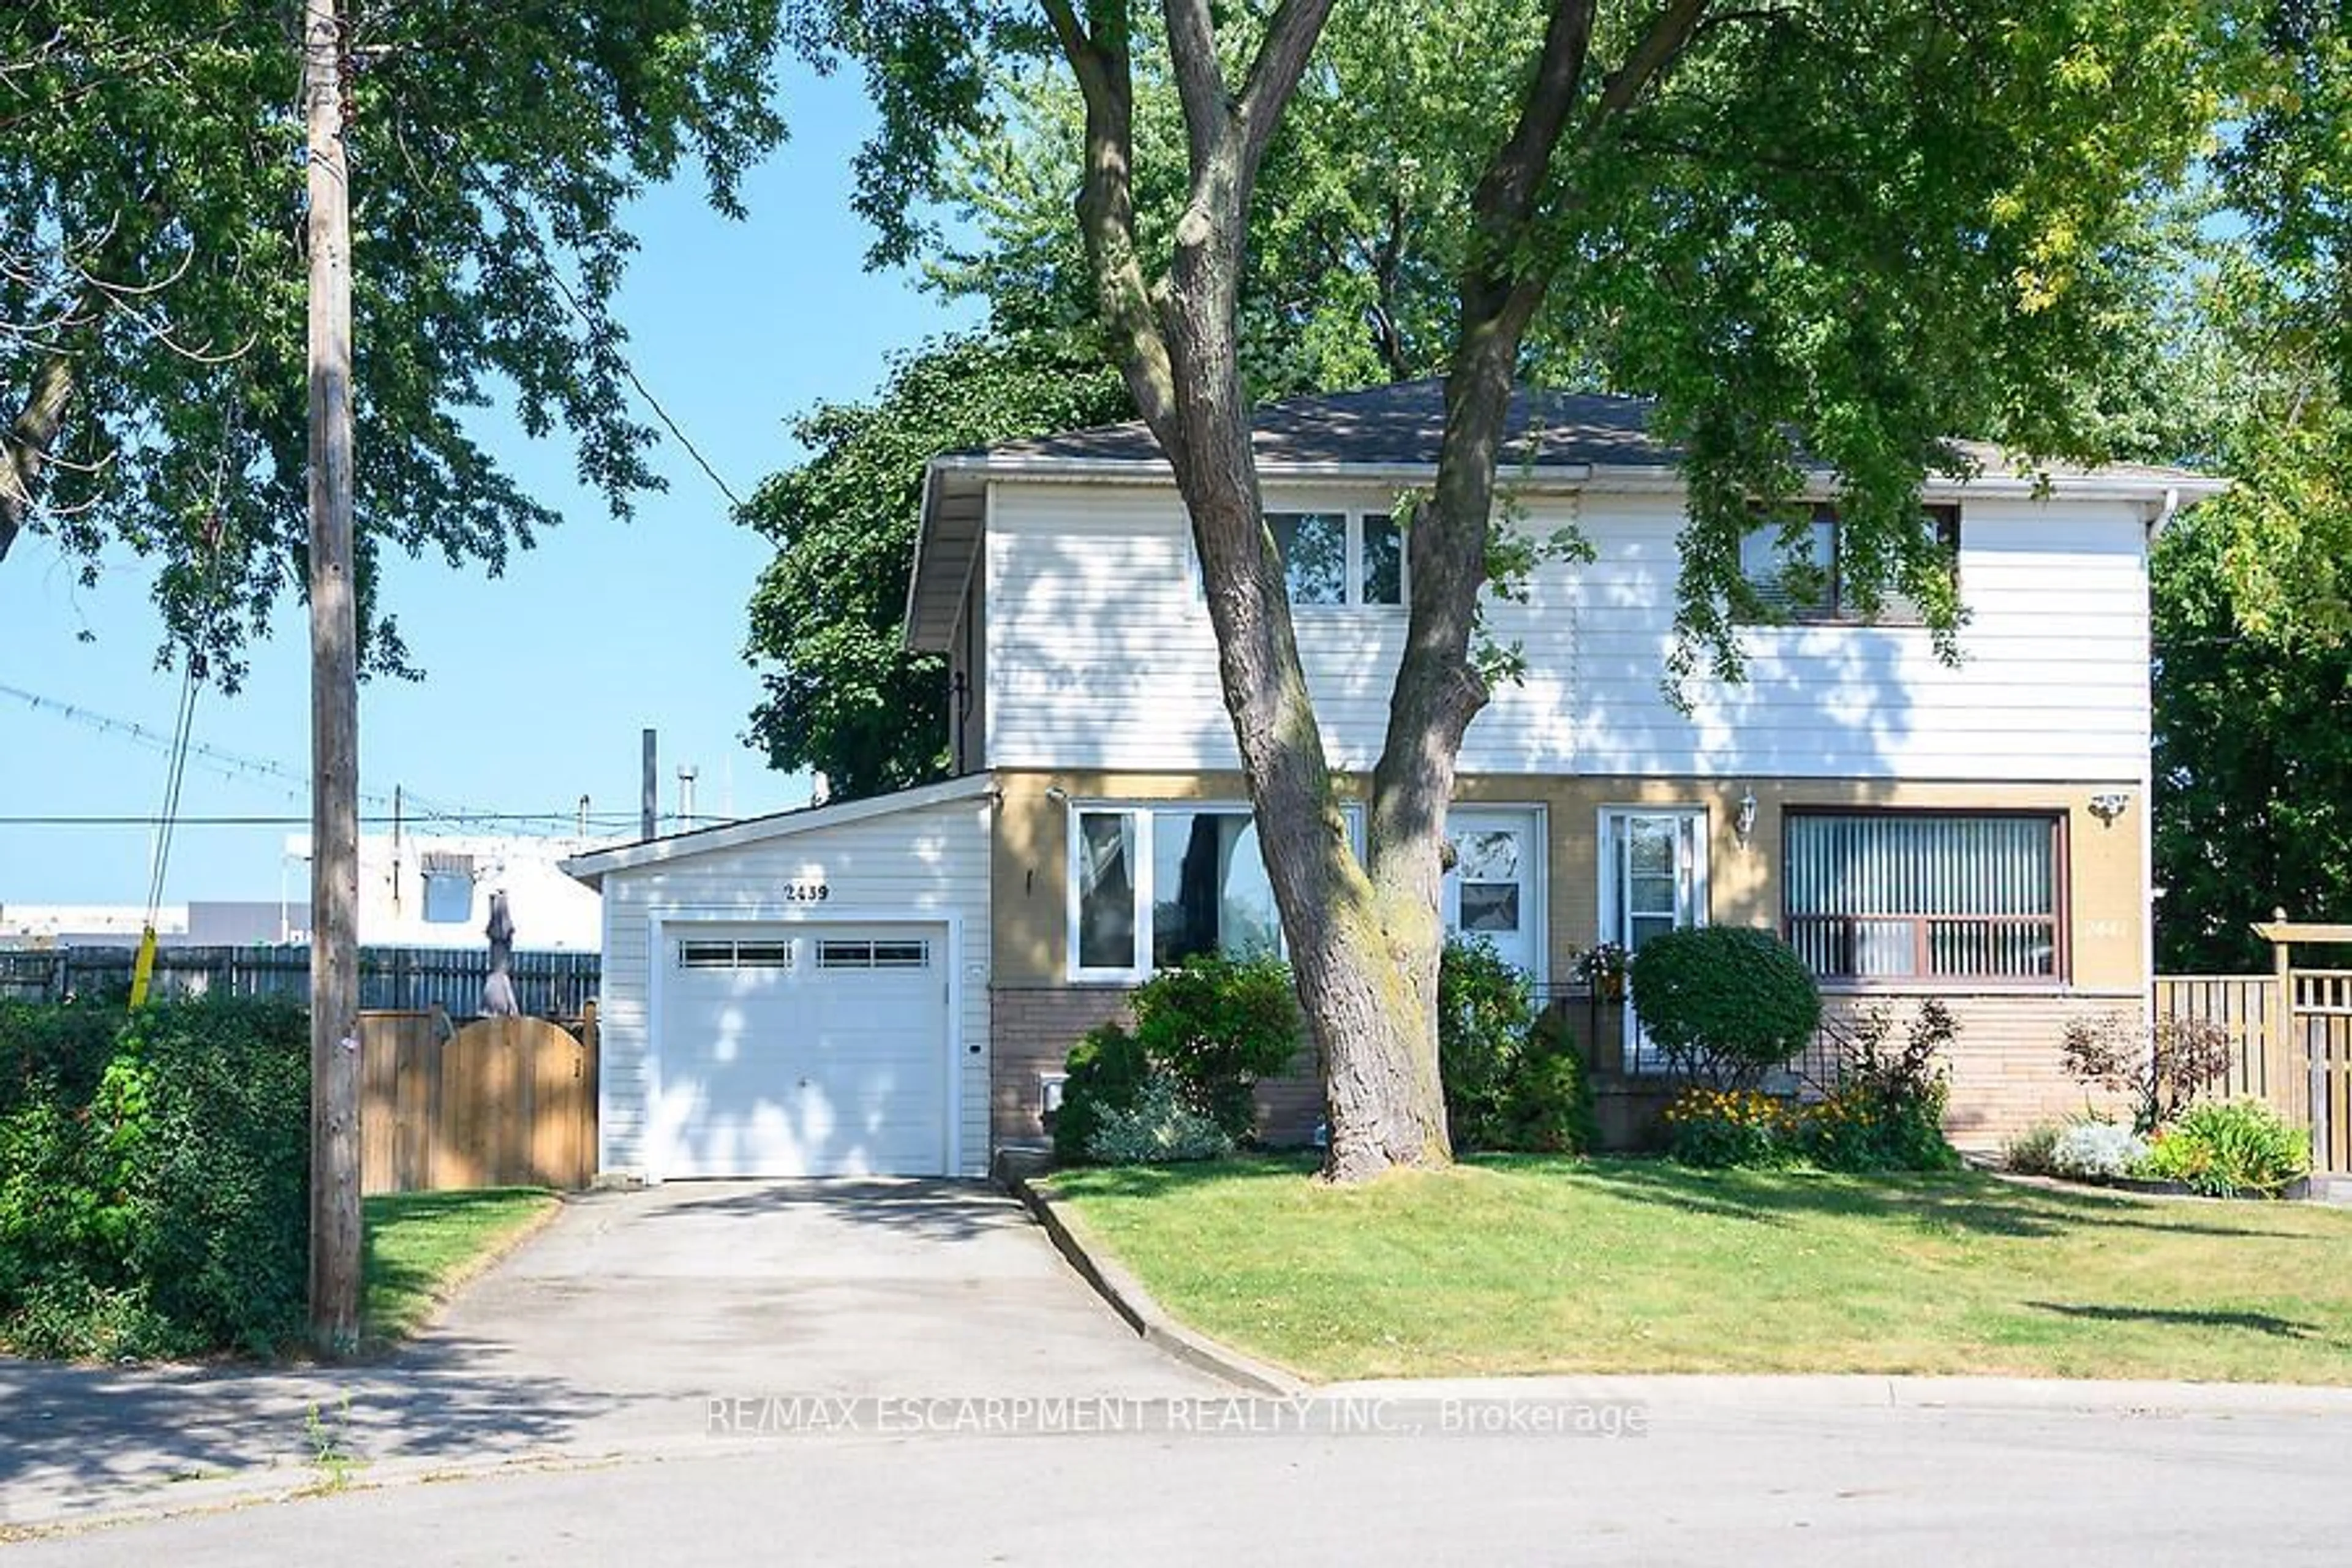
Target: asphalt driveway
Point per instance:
(611, 1331)
(894, 1288)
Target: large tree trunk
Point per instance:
(26, 445)
(1365, 937)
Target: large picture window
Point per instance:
(1927, 895)
(1151, 886)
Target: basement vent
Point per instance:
(872, 954)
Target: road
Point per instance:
(1747, 1476)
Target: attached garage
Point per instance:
(799, 995)
(810, 1050)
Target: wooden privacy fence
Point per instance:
(2290, 1036)
(499, 1102)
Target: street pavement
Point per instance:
(1719, 1472)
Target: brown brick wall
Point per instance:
(2006, 1072)
(1032, 1029)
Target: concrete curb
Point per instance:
(1134, 1304)
(1843, 1391)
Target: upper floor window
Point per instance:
(1337, 558)
(1927, 895)
(1803, 576)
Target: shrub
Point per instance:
(1550, 1109)
(2033, 1151)
(153, 1194)
(2100, 1150)
(1155, 1126)
(1726, 1003)
(1106, 1069)
(62, 1049)
(1483, 1012)
(2226, 1147)
(1731, 1127)
(2162, 1069)
(1512, 1080)
(1214, 1026)
(1884, 1108)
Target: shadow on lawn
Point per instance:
(2260, 1322)
(1959, 1202)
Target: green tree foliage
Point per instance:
(152, 294)
(154, 1177)
(843, 695)
(2253, 757)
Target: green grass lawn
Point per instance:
(422, 1246)
(1528, 1265)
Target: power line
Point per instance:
(630, 370)
(236, 765)
(595, 819)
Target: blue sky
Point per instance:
(538, 683)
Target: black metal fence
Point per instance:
(392, 979)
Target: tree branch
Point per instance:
(25, 446)
(1282, 55)
(1506, 192)
(1097, 57)
(1200, 84)
(1650, 57)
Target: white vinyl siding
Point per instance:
(1101, 656)
(924, 862)
(1925, 895)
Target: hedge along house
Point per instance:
(1978, 832)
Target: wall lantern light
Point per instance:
(1744, 825)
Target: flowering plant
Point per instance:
(1732, 1127)
(1602, 966)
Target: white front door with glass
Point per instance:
(1653, 879)
(1495, 888)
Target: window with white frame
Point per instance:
(1798, 571)
(1928, 895)
(1337, 559)
(1150, 886)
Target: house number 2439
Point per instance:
(806, 892)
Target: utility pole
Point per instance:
(335, 1237)
(649, 803)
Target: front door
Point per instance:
(1495, 889)
(1653, 879)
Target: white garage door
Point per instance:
(804, 1050)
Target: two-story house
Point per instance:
(891, 984)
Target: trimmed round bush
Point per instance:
(1726, 1003)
